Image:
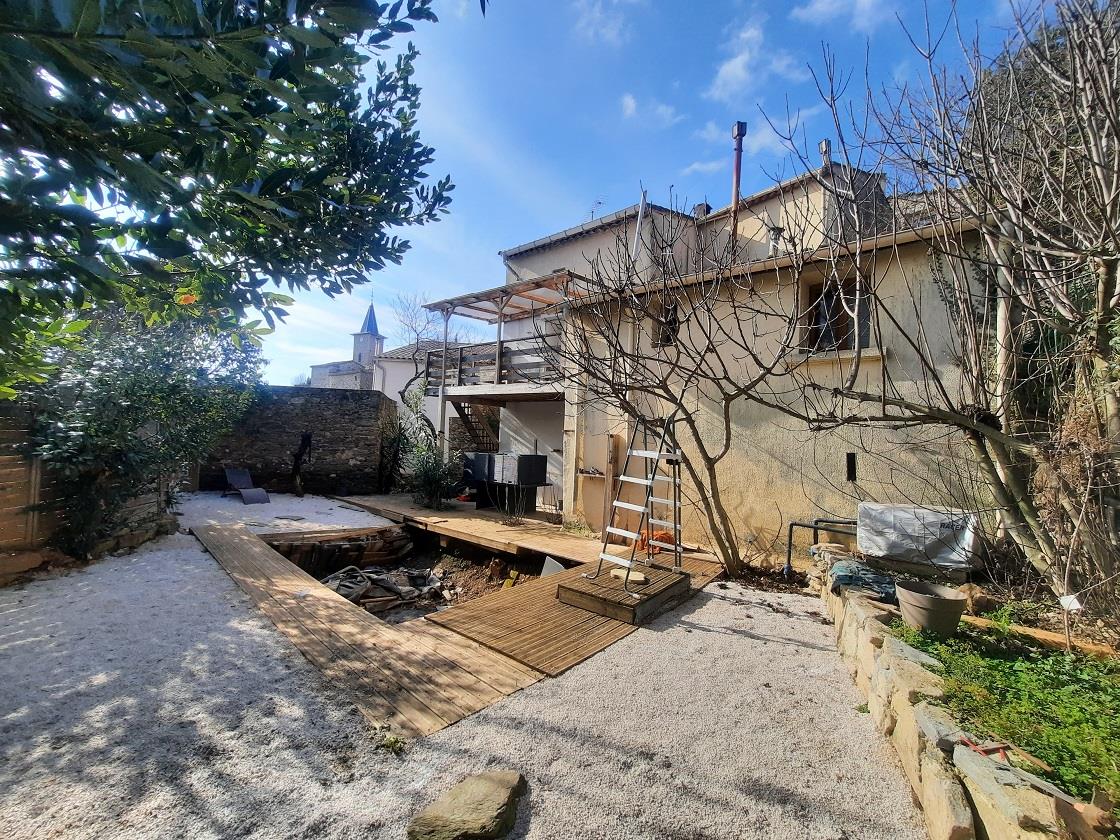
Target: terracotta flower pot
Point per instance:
(930, 607)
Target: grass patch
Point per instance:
(1061, 708)
(390, 743)
(579, 527)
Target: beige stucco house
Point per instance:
(789, 240)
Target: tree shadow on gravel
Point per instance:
(116, 701)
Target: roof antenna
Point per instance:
(598, 203)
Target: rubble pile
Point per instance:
(379, 590)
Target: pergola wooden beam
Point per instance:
(511, 301)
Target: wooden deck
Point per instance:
(417, 677)
(527, 622)
(484, 527)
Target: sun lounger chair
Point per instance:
(241, 483)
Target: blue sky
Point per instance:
(545, 111)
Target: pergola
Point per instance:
(508, 302)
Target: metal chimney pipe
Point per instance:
(738, 132)
(826, 152)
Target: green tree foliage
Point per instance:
(128, 404)
(180, 156)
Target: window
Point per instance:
(830, 320)
(666, 324)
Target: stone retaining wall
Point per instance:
(346, 428)
(963, 794)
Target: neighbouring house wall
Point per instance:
(536, 428)
(393, 375)
(577, 255)
(346, 428)
(388, 376)
(799, 211)
(335, 376)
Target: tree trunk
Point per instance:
(720, 527)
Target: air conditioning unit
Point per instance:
(944, 537)
(524, 470)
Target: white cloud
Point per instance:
(704, 167)
(603, 21)
(752, 64)
(665, 115)
(760, 136)
(901, 72)
(861, 15)
(652, 112)
(712, 133)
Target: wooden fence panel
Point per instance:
(21, 490)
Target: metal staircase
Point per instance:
(479, 430)
(660, 509)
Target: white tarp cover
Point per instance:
(945, 537)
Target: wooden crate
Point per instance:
(604, 595)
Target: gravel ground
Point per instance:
(143, 696)
(315, 512)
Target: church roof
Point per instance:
(369, 325)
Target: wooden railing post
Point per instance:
(498, 343)
(442, 431)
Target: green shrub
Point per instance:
(127, 404)
(1061, 708)
(433, 477)
(423, 468)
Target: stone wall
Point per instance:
(963, 795)
(346, 428)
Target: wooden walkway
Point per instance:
(416, 677)
(484, 527)
(528, 624)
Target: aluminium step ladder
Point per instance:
(660, 509)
